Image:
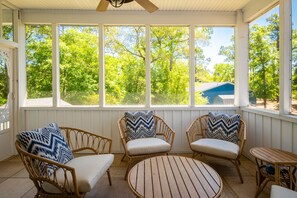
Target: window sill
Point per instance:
(270, 113)
(202, 108)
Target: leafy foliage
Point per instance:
(125, 82)
(79, 70)
(4, 83)
(264, 60)
(39, 61)
(124, 61)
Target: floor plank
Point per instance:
(14, 182)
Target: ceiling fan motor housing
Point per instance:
(118, 3)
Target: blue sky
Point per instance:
(221, 37)
(294, 14)
(262, 19)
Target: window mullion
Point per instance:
(148, 67)
(192, 65)
(101, 66)
(55, 65)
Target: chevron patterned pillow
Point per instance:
(47, 142)
(223, 127)
(140, 125)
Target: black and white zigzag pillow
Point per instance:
(223, 126)
(47, 142)
(140, 125)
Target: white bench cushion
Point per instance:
(88, 169)
(281, 192)
(216, 147)
(147, 146)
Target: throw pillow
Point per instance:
(47, 142)
(222, 126)
(140, 125)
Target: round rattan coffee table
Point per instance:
(174, 176)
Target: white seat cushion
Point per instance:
(281, 192)
(216, 147)
(88, 169)
(147, 146)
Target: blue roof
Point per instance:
(212, 85)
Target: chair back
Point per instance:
(162, 130)
(199, 127)
(80, 140)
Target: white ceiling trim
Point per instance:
(256, 8)
(129, 17)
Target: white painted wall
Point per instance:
(5, 144)
(269, 130)
(104, 122)
(264, 128)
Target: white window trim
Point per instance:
(285, 71)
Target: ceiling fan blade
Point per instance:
(102, 6)
(146, 4)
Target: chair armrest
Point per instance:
(164, 130)
(241, 136)
(194, 131)
(66, 182)
(79, 140)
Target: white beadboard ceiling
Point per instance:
(164, 5)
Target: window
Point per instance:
(294, 57)
(214, 65)
(264, 61)
(125, 82)
(169, 65)
(79, 67)
(7, 23)
(39, 65)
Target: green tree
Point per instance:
(294, 64)
(224, 72)
(79, 73)
(169, 65)
(202, 74)
(39, 61)
(7, 32)
(4, 83)
(125, 65)
(264, 61)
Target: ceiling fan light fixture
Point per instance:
(116, 3)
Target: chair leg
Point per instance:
(238, 170)
(128, 168)
(109, 178)
(123, 157)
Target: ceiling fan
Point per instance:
(146, 4)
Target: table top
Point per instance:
(273, 155)
(174, 176)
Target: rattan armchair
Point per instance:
(163, 132)
(65, 181)
(196, 132)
